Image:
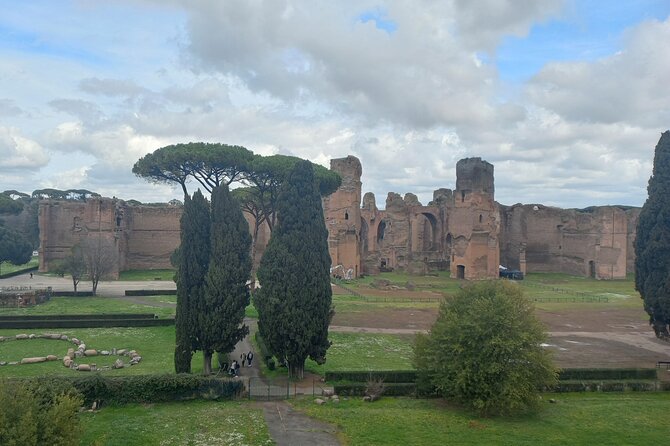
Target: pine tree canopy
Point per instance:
(652, 243)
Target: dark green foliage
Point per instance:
(652, 243)
(9, 206)
(294, 302)
(193, 261)
(606, 374)
(388, 376)
(484, 350)
(39, 413)
(14, 248)
(120, 390)
(265, 353)
(226, 295)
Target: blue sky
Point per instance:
(566, 98)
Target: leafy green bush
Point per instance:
(267, 356)
(34, 413)
(484, 350)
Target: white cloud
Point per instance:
(18, 152)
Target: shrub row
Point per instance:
(72, 294)
(606, 374)
(393, 376)
(18, 272)
(390, 389)
(605, 386)
(151, 292)
(410, 376)
(120, 390)
(87, 323)
(47, 317)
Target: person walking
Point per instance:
(243, 357)
(250, 356)
(233, 368)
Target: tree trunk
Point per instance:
(296, 370)
(94, 282)
(207, 364)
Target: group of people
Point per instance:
(234, 369)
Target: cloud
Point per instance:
(629, 86)
(18, 152)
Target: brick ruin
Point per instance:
(464, 231)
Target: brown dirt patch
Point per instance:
(418, 319)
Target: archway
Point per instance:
(381, 232)
(429, 233)
(460, 272)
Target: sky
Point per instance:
(567, 99)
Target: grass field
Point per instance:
(6, 267)
(186, 423)
(147, 274)
(576, 419)
(97, 305)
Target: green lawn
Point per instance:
(576, 419)
(6, 267)
(187, 423)
(147, 274)
(98, 305)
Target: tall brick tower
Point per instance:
(342, 210)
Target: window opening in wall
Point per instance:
(346, 215)
(480, 218)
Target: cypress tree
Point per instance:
(192, 265)
(226, 294)
(294, 301)
(652, 243)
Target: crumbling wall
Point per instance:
(592, 242)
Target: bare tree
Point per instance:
(101, 257)
(75, 265)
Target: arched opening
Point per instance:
(480, 218)
(592, 269)
(346, 215)
(381, 230)
(460, 272)
(429, 238)
(364, 238)
(448, 247)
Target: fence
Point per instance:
(282, 388)
(570, 295)
(387, 298)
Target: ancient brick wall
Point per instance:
(588, 243)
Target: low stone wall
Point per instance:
(21, 297)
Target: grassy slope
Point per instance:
(7, 267)
(577, 419)
(147, 274)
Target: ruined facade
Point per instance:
(463, 231)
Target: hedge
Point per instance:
(606, 374)
(87, 323)
(72, 294)
(410, 376)
(120, 390)
(394, 376)
(605, 386)
(392, 389)
(151, 292)
(46, 317)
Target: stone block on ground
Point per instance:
(33, 360)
